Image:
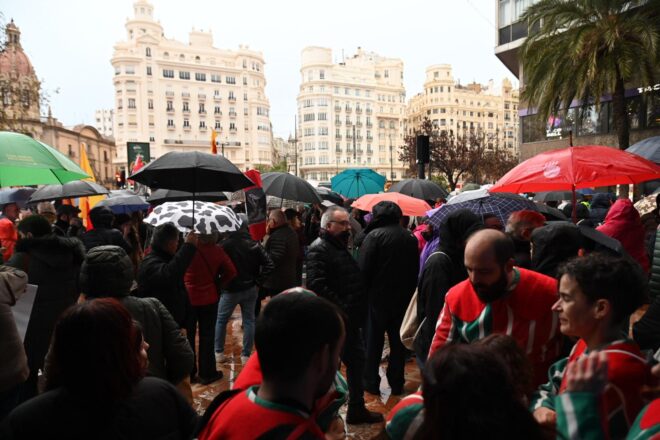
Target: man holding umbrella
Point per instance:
(333, 274)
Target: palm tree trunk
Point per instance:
(620, 114)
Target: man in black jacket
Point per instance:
(334, 275)
(103, 233)
(161, 273)
(283, 248)
(107, 272)
(252, 265)
(390, 263)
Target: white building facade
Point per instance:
(350, 114)
(104, 122)
(174, 94)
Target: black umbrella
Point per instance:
(76, 188)
(192, 171)
(287, 186)
(550, 213)
(328, 194)
(553, 196)
(419, 189)
(170, 195)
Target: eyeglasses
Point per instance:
(343, 222)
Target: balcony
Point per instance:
(369, 111)
(232, 114)
(186, 111)
(232, 129)
(232, 99)
(217, 98)
(201, 96)
(359, 138)
(337, 108)
(337, 150)
(185, 95)
(337, 122)
(171, 127)
(168, 94)
(338, 136)
(202, 112)
(369, 125)
(370, 151)
(349, 136)
(202, 128)
(358, 124)
(348, 109)
(370, 138)
(170, 110)
(186, 127)
(358, 110)
(218, 112)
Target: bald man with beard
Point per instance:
(499, 297)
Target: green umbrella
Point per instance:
(27, 161)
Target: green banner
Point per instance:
(135, 149)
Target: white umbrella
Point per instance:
(209, 217)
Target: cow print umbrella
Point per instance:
(209, 217)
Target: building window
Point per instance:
(245, 80)
(186, 123)
(230, 80)
(149, 70)
(217, 110)
(131, 102)
(184, 75)
(168, 73)
(245, 96)
(148, 51)
(170, 122)
(150, 104)
(216, 78)
(202, 124)
(201, 108)
(186, 108)
(200, 76)
(217, 125)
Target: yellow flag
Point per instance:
(87, 203)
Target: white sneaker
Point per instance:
(220, 357)
(244, 359)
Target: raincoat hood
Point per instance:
(623, 223)
(385, 213)
(623, 211)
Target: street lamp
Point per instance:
(391, 160)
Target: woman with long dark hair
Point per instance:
(469, 393)
(95, 384)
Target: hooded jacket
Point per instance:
(53, 264)
(108, 272)
(553, 244)
(441, 272)
(600, 205)
(388, 260)
(623, 223)
(282, 248)
(13, 362)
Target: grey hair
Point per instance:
(327, 215)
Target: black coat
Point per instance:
(53, 264)
(155, 410)
(441, 272)
(333, 273)
(282, 248)
(646, 331)
(105, 236)
(389, 261)
(250, 259)
(522, 256)
(161, 276)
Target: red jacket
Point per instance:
(623, 223)
(210, 261)
(8, 237)
(525, 314)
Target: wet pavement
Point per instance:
(204, 394)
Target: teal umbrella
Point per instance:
(27, 161)
(356, 182)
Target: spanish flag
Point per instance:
(214, 144)
(87, 203)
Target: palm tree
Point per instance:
(586, 49)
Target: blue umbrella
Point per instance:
(482, 202)
(356, 182)
(648, 148)
(125, 203)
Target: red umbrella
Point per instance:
(572, 168)
(409, 205)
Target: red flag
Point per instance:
(214, 144)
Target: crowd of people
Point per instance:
(521, 327)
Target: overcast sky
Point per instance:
(70, 41)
